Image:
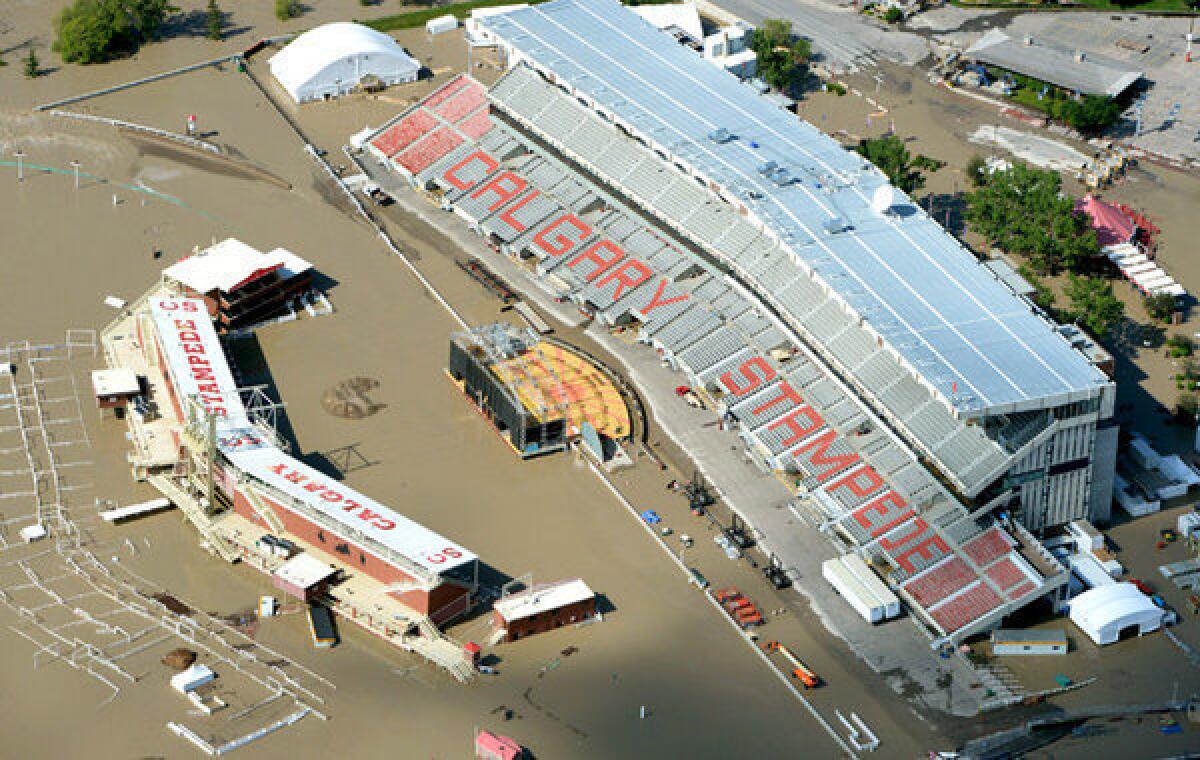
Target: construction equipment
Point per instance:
(800, 671)
(738, 607)
(775, 573)
(737, 535)
(697, 493)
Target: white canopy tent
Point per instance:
(334, 59)
(1107, 613)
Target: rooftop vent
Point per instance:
(835, 225)
(721, 135)
(1027, 40)
(767, 168)
(781, 177)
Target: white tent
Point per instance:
(1106, 613)
(334, 59)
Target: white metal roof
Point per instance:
(1093, 75)
(682, 16)
(194, 355)
(952, 321)
(354, 513)
(308, 55)
(527, 603)
(1103, 611)
(304, 571)
(117, 381)
(230, 264)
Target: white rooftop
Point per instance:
(230, 264)
(953, 323)
(309, 55)
(542, 599)
(1093, 75)
(357, 516)
(682, 16)
(304, 571)
(117, 381)
(195, 357)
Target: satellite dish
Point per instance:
(883, 199)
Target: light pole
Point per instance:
(20, 154)
(75, 166)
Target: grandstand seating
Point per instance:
(1020, 590)
(965, 607)
(428, 149)
(446, 92)
(1005, 573)
(477, 124)
(403, 133)
(987, 547)
(940, 581)
(462, 103)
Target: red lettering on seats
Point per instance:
(506, 216)
(785, 392)
(657, 300)
(800, 429)
(819, 456)
(505, 185)
(890, 506)
(625, 282)
(561, 243)
(753, 380)
(451, 174)
(592, 254)
(875, 480)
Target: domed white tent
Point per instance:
(1112, 612)
(334, 59)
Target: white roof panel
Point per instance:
(344, 506)
(195, 357)
(950, 318)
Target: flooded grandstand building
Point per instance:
(210, 446)
(929, 415)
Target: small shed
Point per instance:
(1033, 642)
(543, 608)
(441, 24)
(489, 746)
(192, 678)
(303, 576)
(1118, 611)
(115, 387)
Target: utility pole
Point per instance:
(20, 154)
(75, 166)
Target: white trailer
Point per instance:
(861, 588)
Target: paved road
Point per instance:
(841, 38)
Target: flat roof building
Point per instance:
(1118, 611)
(239, 284)
(1073, 70)
(1029, 642)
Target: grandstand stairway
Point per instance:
(265, 512)
(195, 514)
(432, 644)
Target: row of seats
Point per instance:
(429, 149)
(965, 607)
(404, 132)
(940, 581)
(987, 547)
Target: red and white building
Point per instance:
(426, 573)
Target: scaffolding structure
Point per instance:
(69, 604)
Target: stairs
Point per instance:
(440, 650)
(265, 512)
(194, 512)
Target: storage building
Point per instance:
(336, 59)
(861, 588)
(1013, 642)
(543, 608)
(1108, 614)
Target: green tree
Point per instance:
(286, 9)
(214, 21)
(1092, 115)
(1160, 306)
(1187, 407)
(893, 159)
(33, 67)
(976, 170)
(782, 57)
(1023, 211)
(893, 15)
(1180, 346)
(1093, 304)
(93, 31)
(1043, 294)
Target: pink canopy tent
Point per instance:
(1113, 226)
